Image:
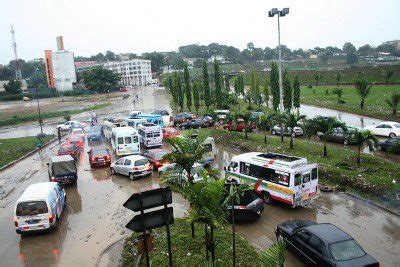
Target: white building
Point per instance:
(133, 72)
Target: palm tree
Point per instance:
(323, 127)
(338, 77)
(290, 121)
(274, 256)
(393, 102)
(364, 138)
(266, 122)
(363, 88)
(186, 151)
(387, 75)
(246, 117)
(339, 93)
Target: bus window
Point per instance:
(156, 134)
(120, 140)
(232, 166)
(297, 179)
(314, 173)
(283, 178)
(245, 168)
(128, 140)
(306, 178)
(148, 135)
(135, 139)
(208, 147)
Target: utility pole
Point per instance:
(18, 74)
(38, 104)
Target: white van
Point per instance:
(125, 141)
(108, 126)
(150, 134)
(287, 179)
(134, 122)
(39, 207)
(211, 151)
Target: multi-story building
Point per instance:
(133, 72)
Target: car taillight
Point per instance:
(135, 168)
(15, 222)
(51, 218)
(53, 178)
(106, 157)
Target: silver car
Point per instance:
(132, 166)
(297, 131)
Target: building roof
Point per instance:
(328, 232)
(39, 191)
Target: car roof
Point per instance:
(133, 157)
(328, 232)
(61, 158)
(38, 191)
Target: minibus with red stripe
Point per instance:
(288, 179)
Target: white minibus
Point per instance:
(209, 155)
(150, 134)
(39, 207)
(134, 122)
(288, 179)
(108, 126)
(125, 141)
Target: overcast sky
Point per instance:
(92, 26)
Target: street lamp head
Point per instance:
(273, 12)
(284, 12)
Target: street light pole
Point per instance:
(38, 104)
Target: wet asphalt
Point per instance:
(94, 218)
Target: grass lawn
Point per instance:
(14, 148)
(373, 178)
(188, 251)
(375, 105)
(17, 119)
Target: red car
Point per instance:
(77, 140)
(239, 126)
(170, 132)
(99, 156)
(69, 149)
(155, 157)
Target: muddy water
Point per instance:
(377, 231)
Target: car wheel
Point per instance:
(392, 135)
(273, 132)
(131, 176)
(112, 171)
(267, 198)
(279, 237)
(345, 142)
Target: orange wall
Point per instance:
(49, 68)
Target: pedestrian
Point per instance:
(59, 135)
(39, 143)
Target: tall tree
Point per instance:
(257, 93)
(100, 79)
(296, 92)
(287, 92)
(227, 85)
(387, 75)
(394, 102)
(241, 84)
(363, 88)
(179, 93)
(217, 80)
(274, 83)
(364, 138)
(206, 85)
(188, 90)
(266, 90)
(290, 121)
(338, 77)
(351, 53)
(13, 87)
(318, 77)
(196, 96)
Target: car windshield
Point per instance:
(397, 125)
(31, 208)
(346, 250)
(99, 152)
(141, 162)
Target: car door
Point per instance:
(381, 129)
(314, 246)
(300, 242)
(126, 168)
(117, 166)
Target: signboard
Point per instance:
(150, 199)
(151, 220)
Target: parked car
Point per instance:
(155, 157)
(95, 133)
(341, 136)
(76, 140)
(248, 209)
(208, 121)
(160, 112)
(386, 128)
(132, 166)
(322, 244)
(62, 169)
(255, 115)
(69, 149)
(66, 126)
(181, 118)
(392, 145)
(222, 115)
(134, 113)
(39, 208)
(276, 130)
(78, 132)
(170, 132)
(194, 124)
(99, 156)
(179, 174)
(238, 126)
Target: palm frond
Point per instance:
(274, 256)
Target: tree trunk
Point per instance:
(325, 150)
(212, 243)
(362, 104)
(394, 111)
(245, 133)
(291, 140)
(265, 137)
(206, 236)
(281, 133)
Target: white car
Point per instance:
(134, 113)
(173, 170)
(297, 131)
(66, 126)
(386, 128)
(132, 166)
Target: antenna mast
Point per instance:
(18, 74)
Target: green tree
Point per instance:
(266, 123)
(274, 256)
(236, 85)
(196, 96)
(257, 94)
(290, 121)
(218, 86)
(339, 93)
(227, 85)
(157, 60)
(176, 86)
(188, 90)
(13, 87)
(323, 127)
(274, 83)
(206, 85)
(318, 77)
(241, 84)
(387, 75)
(296, 92)
(287, 92)
(179, 92)
(362, 138)
(338, 77)
(351, 53)
(246, 117)
(393, 102)
(100, 79)
(266, 90)
(363, 89)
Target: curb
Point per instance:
(28, 154)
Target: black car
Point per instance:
(160, 112)
(181, 118)
(194, 124)
(392, 145)
(322, 244)
(341, 136)
(249, 208)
